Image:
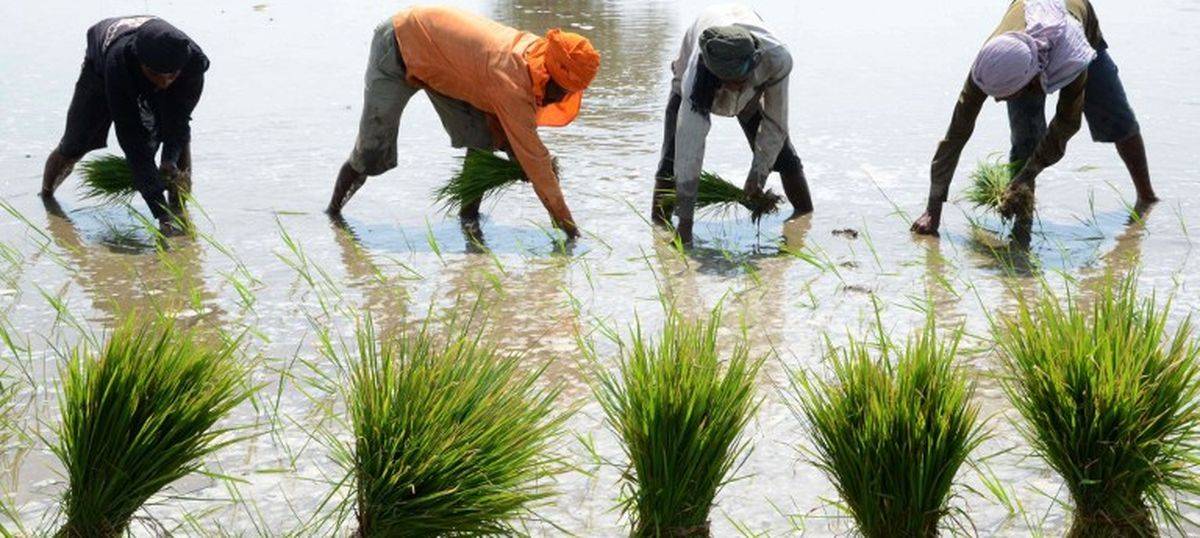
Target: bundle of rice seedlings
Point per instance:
(989, 183)
(891, 431)
(679, 407)
(137, 416)
(107, 178)
(1108, 398)
(717, 195)
(450, 436)
(484, 175)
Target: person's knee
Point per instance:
(70, 152)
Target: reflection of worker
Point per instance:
(492, 86)
(1041, 47)
(729, 65)
(145, 76)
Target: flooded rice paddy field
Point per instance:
(871, 93)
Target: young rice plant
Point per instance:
(137, 416)
(891, 429)
(484, 175)
(107, 178)
(680, 408)
(451, 437)
(715, 194)
(1108, 398)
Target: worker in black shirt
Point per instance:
(145, 76)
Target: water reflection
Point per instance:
(765, 303)
(634, 38)
(384, 296)
(128, 272)
(528, 310)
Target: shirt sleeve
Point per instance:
(773, 130)
(1068, 118)
(519, 122)
(962, 125)
(134, 138)
(176, 123)
(691, 130)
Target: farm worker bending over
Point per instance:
(729, 65)
(492, 87)
(145, 76)
(1041, 47)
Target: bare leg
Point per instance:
(348, 182)
(58, 167)
(1133, 152)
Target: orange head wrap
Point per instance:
(571, 60)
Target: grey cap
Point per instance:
(728, 51)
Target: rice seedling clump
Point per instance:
(989, 183)
(717, 195)
(451, 437)
(1108, 398)
(107, 178)
(891, 429)
(137, 416)
(680, 408)
(484, 175)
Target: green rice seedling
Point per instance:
(137, 416)
(1108, 398)
(989, 183)
(892, 429)
(484, 175)
(451, 437)
(715, 194)
(107, 178)
(680, 407)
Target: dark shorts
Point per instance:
(1106, 108)
(88, 119)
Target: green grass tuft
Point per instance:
(450, 436)
(680, 408)
(137, 416)
(716, 195)
(892, 429)
(484, 175)
(1108, 398)
(108, 179)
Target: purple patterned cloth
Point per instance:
(1052, 47)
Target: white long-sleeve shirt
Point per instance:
(766, 88)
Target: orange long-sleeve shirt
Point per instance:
(482, 62)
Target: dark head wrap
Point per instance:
(162, 47)
(728, 51)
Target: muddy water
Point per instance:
(872, 90)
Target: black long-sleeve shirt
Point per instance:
(111, 53)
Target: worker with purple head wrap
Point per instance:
(1041, 47)
(145, 76)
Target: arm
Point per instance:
(520, 126)
(945, 160)
(133, 136)
(773, 130)
(691, 130)
(178, 103)
(1067, 120)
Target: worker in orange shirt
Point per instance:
(492, 87)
